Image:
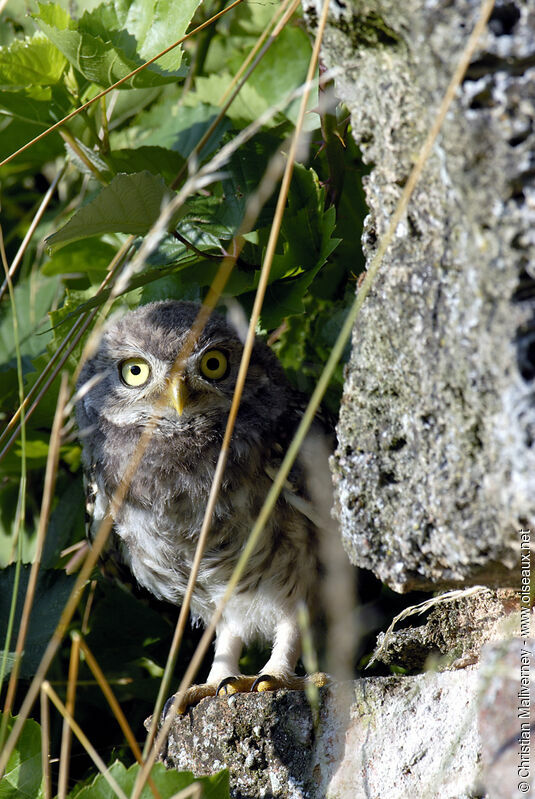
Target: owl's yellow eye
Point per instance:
(134, 372)
(214, 364)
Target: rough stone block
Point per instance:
(382, 737)
(444, 735)
(435, 469)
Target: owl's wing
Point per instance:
(111, 561)
(295, 490)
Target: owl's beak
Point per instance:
(178, 394)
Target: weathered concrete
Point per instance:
(435, 469)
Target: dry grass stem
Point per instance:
(65, 751)
(422, 607)
(84, 740)
(273, 22)
(45, 745)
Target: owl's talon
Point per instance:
(239, 684)
(270, 683)
(267, 682)
(226, 686)
(167, 707)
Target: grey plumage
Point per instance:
(157, 528)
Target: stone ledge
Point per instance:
(380, 737)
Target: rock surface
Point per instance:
(435, 469)
(505, 715)
(447, 735)
(453, 633)
(382, 737)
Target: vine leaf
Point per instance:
(23, 778)
(131, 203)
(107, 43)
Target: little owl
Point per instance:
(129, 383)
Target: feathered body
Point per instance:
(158, 525)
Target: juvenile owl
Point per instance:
(129, 384)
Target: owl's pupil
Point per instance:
(135, 369)
(212, 364)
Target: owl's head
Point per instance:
(139, 372)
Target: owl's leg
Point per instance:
(279, 671)
(228, 648)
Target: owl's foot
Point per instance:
(243, 684)
(192, 697)
(268, 682)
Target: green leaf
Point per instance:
(268, 85)
(33, 298)
(157, 160)
(178, 127)
(107, 43)
(30, 62)
(23, 776)
(129, 204)
(53, 589)
(89, 256)
(16, 132)
(41, 106)
(168, 783)
(122, 626)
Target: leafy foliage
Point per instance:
(23, 778)
(124, 156)
(168, 783)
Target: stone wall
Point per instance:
(435, 469)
